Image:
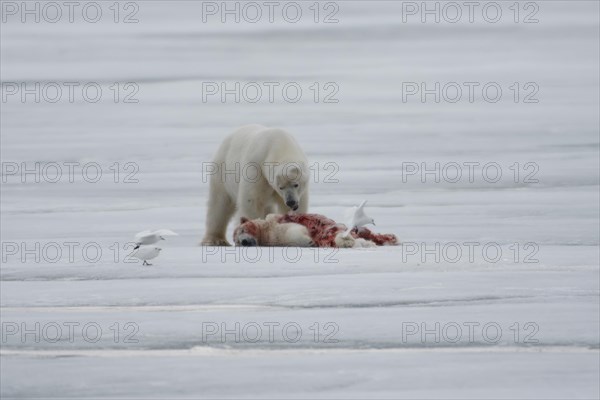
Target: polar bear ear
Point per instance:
(243, 220)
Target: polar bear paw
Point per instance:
(214, 241)
(359, 242)
(344, 241)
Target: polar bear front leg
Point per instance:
(220, 211)
(251, 201)
(303, 204)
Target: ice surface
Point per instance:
(548, 309)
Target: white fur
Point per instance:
(344, 241)
(360, 242)
(297, 235)
(285, 234)
(273, 233)
(265, 160)
(270, 232)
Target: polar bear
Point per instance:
(256, 171)
(306, 230)
(271, 232)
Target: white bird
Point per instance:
(358, 218)
(146, 253)
(149, 237)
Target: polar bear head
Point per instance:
(290, 181)
(248, 233)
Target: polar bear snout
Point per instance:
(245, 239)
(248, 242)
(291, 188)
(291, 196)
(291, 203)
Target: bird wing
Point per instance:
(142, 252)
(360, 217)
(360, 211)
(355, 213)
(145, 252)
(349, 213)
(166, 232)
(140, 235)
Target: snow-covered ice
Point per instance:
(519, 319)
